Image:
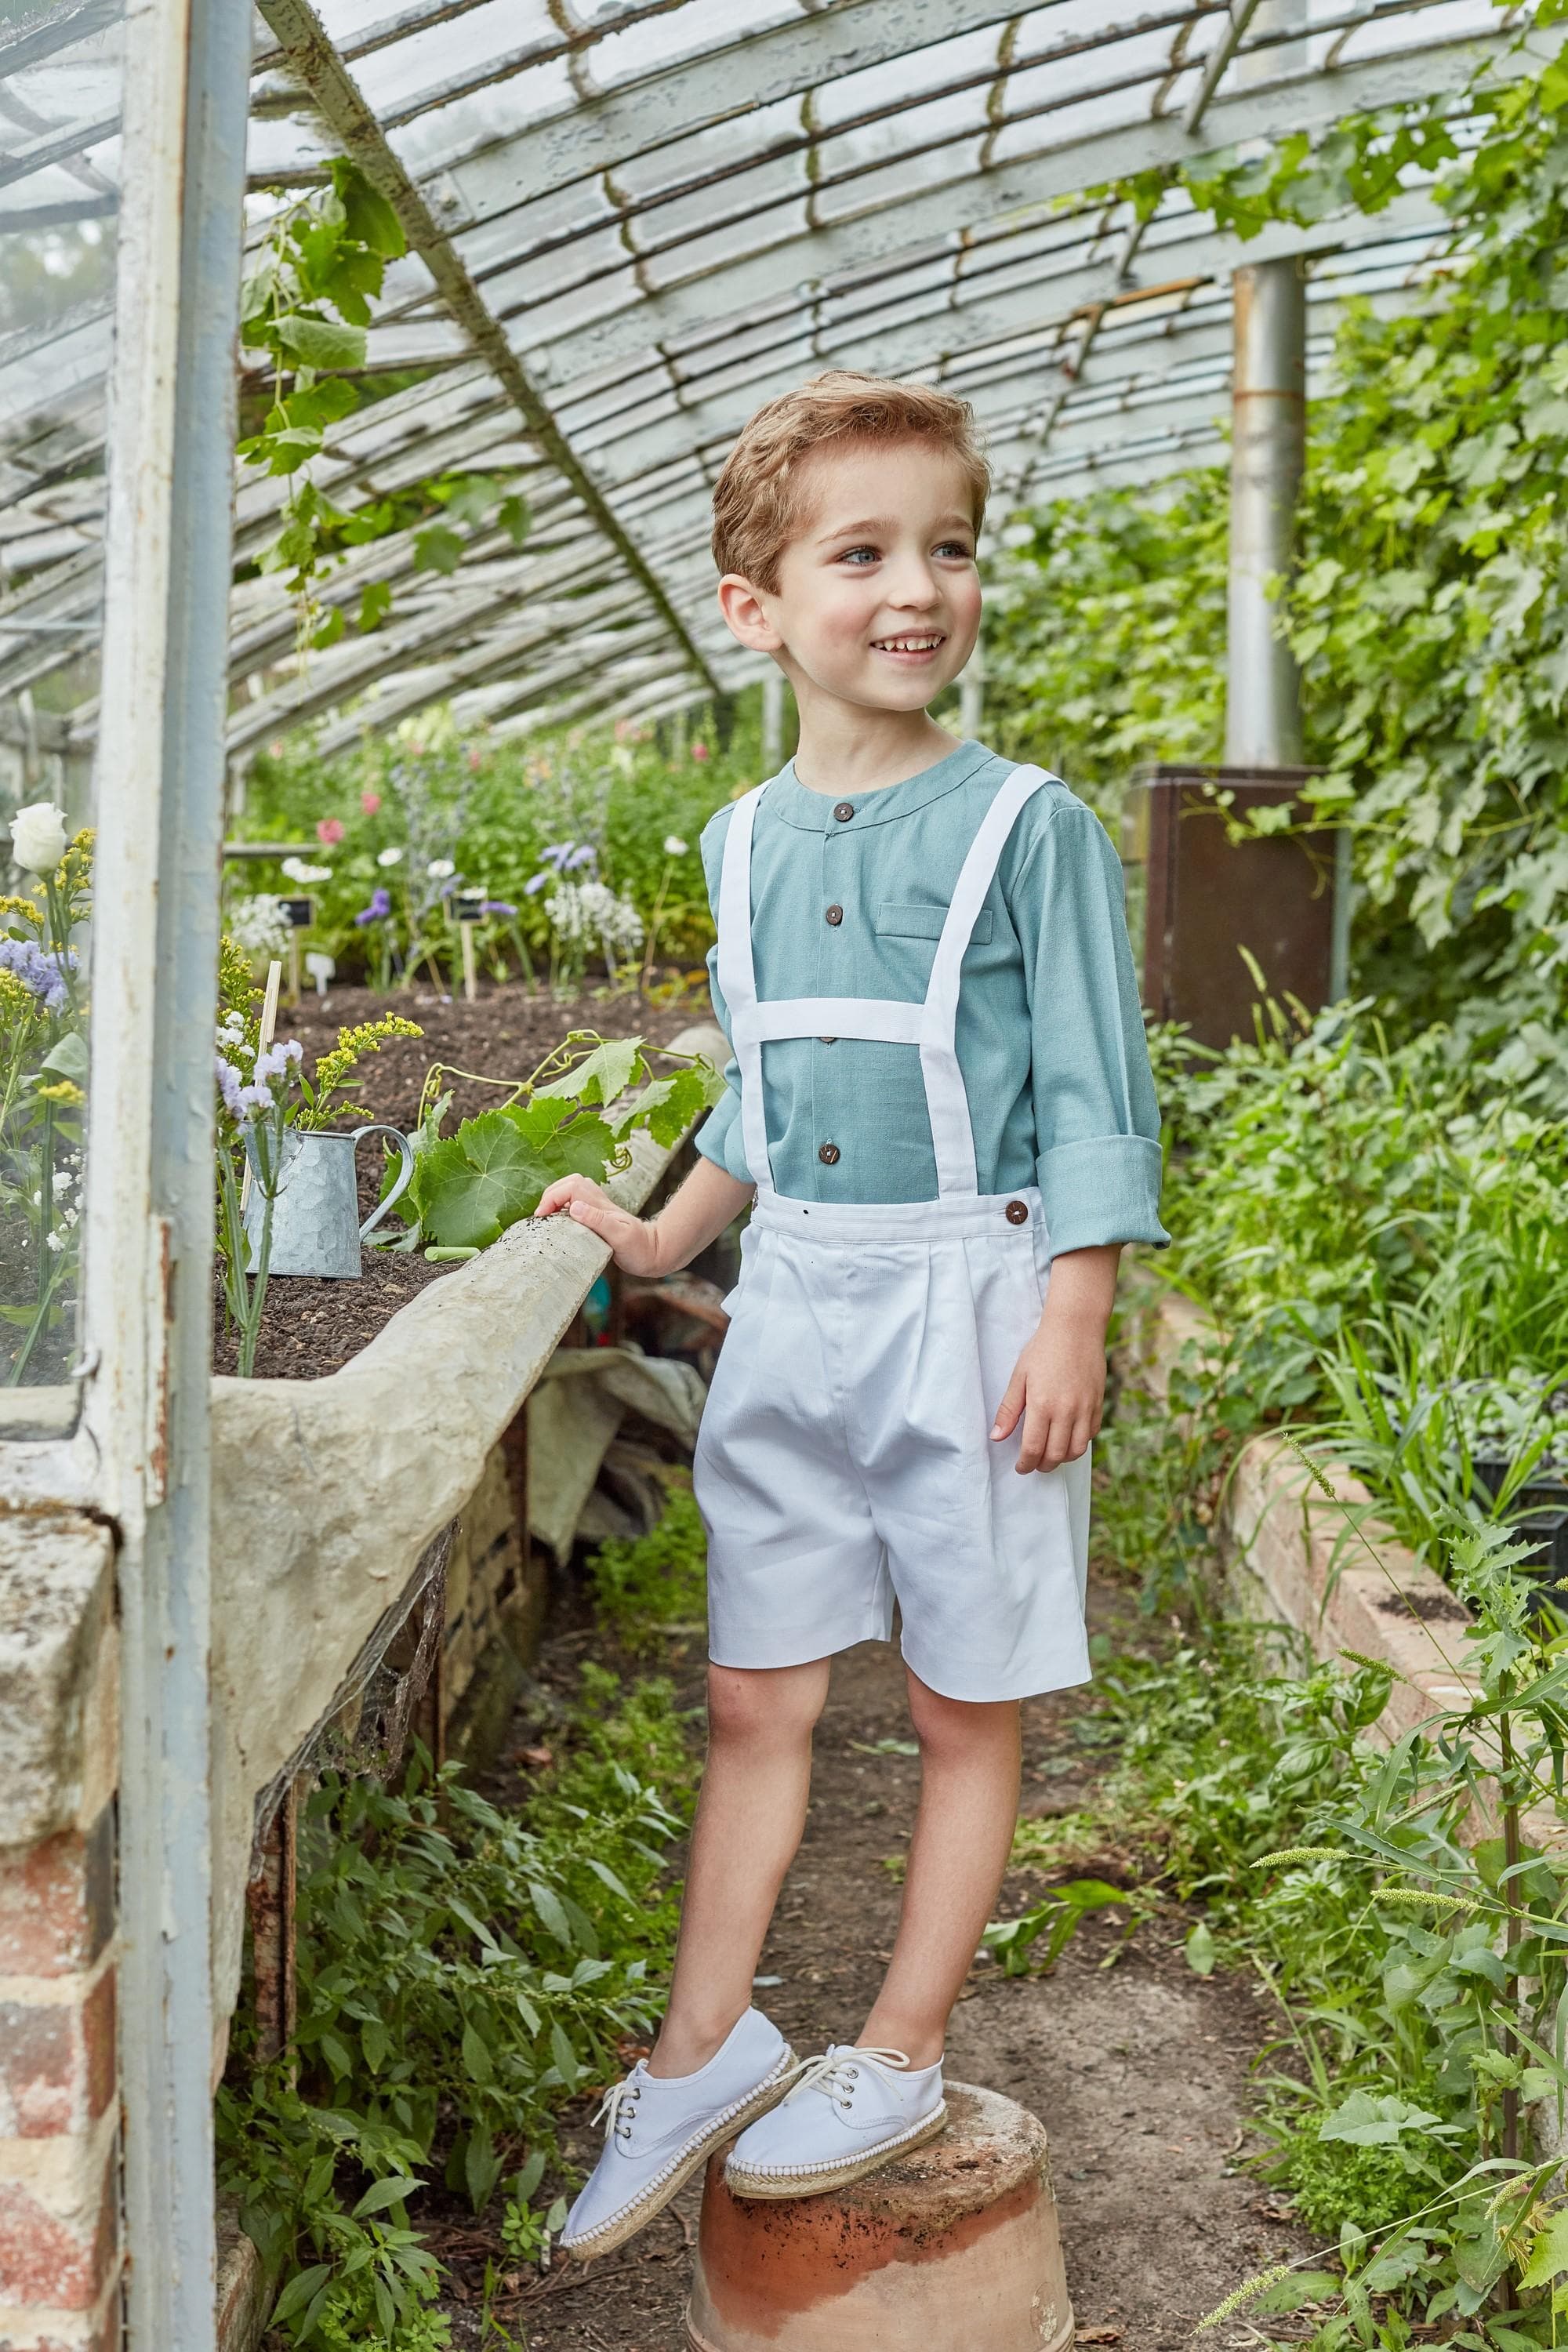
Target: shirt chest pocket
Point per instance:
(926, 922)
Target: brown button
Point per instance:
(828, 1041)
(1018, 1213)
(843, 812)
(827, 1153)
(835, 915)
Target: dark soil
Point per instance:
(310, 1329)
(1137, 2067)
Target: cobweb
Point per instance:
(364, 1726)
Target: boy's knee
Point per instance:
(764, 1703)
(959, 1726)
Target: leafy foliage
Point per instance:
(449, 811)
(462, 1969)
(469, 1187)
(306, 304)
(646, 1584)
(1105, 635)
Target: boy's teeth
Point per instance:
(908, 645)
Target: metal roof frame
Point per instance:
(627, 231)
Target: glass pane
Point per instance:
(60, 157)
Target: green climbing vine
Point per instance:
(306, 304)
(1427, 610)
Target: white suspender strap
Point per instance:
(738, 983)
(932, 1025)
(953, 1135)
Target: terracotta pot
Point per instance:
(949, 2248)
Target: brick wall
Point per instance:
(495, 1603)
(59, 2241)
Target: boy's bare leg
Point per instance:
(964, 1832)
(749, 1818)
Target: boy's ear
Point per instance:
(745, 616)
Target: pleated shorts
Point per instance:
(844, 1463)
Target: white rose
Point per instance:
(389, 857)
(673, 846)
(38, 836)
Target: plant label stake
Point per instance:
(264, 1039)
(470, 909)
(299, 914)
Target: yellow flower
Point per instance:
(17, 1002)
(62, 1091)
(24, 908)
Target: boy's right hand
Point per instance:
(633, 1241)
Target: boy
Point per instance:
(940, 1103)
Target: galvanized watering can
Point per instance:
(315, 1217)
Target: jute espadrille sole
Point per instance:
(729, 2126)
(805, 2183)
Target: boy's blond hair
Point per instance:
(759, 502)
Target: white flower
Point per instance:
(673, 846)
(55, 1241)
(38, 836)
(257, 925)
(579, 910)
(297, 871)
(389, 857)
(440, 869)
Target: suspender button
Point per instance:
(1017, 1212)
(843, 812)
(835, 915)
(827, 1153)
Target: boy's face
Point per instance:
(877, 602)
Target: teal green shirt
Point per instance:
(1051, 1036)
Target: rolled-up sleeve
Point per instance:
(1097, 1123)
(719, 1138)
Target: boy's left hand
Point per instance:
(1057, 1387)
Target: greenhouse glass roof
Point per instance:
(631, 222)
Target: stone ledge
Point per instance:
(326, 1491)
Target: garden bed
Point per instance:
(310, 1329)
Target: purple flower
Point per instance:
(557, 853)
(40, 972)
(379, 908)
(274, 1061)
(228, 1085)
(497, 907)
(536, 883)
(584, 856)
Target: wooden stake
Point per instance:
(471, 976)
(269, 1024)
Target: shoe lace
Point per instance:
(837, 2069)
(618, 2108)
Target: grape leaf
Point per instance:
(605, 1074)
(475, 1183)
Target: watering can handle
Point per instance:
(378, 1126)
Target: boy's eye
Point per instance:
(956, 548)
(853, 554)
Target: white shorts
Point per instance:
(844, 1460)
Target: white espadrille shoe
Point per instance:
(846, 2113)
(660, 2129)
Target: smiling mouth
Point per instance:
(914, 644)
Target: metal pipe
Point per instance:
(971, 692)
(148, 1245)
(1263, 702)
(773, 721)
